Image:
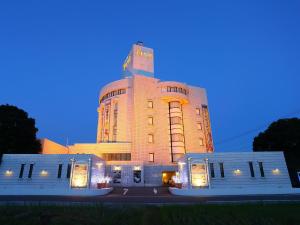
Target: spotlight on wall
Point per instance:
(237, 172)
(99, 164)
(117, 168)
(8, 172)
(276, 171)
(44, 173)
(136, 168)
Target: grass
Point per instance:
(251, 214)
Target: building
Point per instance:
(150, 133)
(56, 174)
(146, 123)
(238, 173)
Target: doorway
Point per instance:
(166, 178)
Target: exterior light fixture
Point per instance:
(276, 171)
(136, 168)
(8, 173)
(237, 172)
(99, 164)
(44, 173)
(117, 168)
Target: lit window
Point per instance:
(201, 141)
(199, 126)
(150, 138)
(150, 120)
(151, 157)
(150, 104)
(198, 111)
(175, 104)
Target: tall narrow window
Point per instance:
(199, 126)
(261, 169)
(21, 171)
(222, 169)
(150, 104)
(251, 169)
(69, 171)
(30, 171)
(150, 138)
(198, 111)
(150, 120)
(212, 170)
(151, 157)
(201, 142)
(59, 171)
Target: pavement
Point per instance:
(144, 195)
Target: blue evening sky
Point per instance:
(56, 55)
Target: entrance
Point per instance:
(166, 177)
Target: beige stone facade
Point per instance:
(143, 119)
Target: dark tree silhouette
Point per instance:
(283, 135)
(17, 132)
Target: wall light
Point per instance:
(99, 164)
(237, 172)
(117, 168)
(8, 172)
(136, 168)
(276, 171)
(44, 173)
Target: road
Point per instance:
(144, 196)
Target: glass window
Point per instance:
(150, 138)
(178, 137)
(175, 104)
(201, 141)
(151, 157)
(198, 111)
(21, 171)
(30, 171)
(150, 120)
(199, 126)
(251, 169)
(176, 120)
(222, 170)
(212, 170)
(261, 169)
(59, 171)
(150, 104)
(199, 175)
(69, 170)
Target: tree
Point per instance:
(283, 135)
(17, 132)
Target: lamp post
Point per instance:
(207, 172)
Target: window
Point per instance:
(201, 141)
(151, 157)
(175, 104)
(21, 171)
(261, 169)
(251, 169)
(198, 111)
(177, 137)
(212, 170)
(222, 170)
(69, 170)
(30, 171)
(176, 120)
(150, 138)
(59, 171)
(150, 120)
(199, 126)
(150, 104)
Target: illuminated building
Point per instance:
(146, 122)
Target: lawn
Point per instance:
(252, 214)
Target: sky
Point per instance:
(56, 55)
